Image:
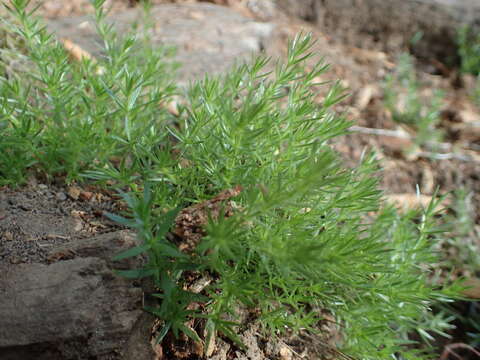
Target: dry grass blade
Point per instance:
(77, 53)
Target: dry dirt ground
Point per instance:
(41, 216)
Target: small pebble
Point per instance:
(42, 186)
(74, 192)
(25, 207)
(86, 195)
(61, 196)
(15, 260)
(285, 353)
(78, 225)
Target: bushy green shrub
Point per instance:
(62, 117)
(476, 92)
(303, 233)
(469, 50)
(407, 106)
(461, 256)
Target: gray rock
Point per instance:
(61, 196)
(208, 38)
(74, 308)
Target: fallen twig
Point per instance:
(382, 132)
(431, 145)
(449, 350)
(446, 156)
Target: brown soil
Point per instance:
(38, 218)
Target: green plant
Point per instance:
(299, 232)
(64, 117)
(461, 258)
(469, 50)
(296, 235)
(460, 238)
(476, 92)
(403, 100)
(11, 46)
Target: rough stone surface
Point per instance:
(208, 38)
(37, 219)
(73, 308)
(391, 24)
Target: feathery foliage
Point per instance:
(301, 237)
